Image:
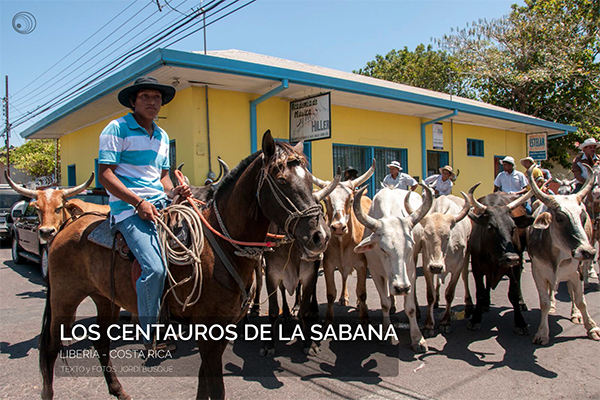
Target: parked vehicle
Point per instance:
(8, 197)
(25, 241)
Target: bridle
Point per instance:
(293, 213)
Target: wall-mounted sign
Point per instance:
(438, 136)
(310, 118)
(537, 146)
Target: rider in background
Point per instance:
(398, 180)
(442, 182)
(589, 157)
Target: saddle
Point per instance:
(102, 236)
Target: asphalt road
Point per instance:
(493, 363)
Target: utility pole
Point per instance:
(7, 128)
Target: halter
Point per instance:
(294, 214)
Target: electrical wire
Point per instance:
(166, 34)
(54, 83)
(71, 52)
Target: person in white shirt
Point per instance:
(510, 180)
(398, 180)
(442, 182)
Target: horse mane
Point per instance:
(284, 152)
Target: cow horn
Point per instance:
(515, 203)
(180, 166)
(326, 191)
(465, 210)
(363, 178)
(422, 211)
(366, 220)
(19, 189)
(587, 186)
(319, 182)
(78, 189)
(479, 208)
(544, 198)
(407, 207)
(223, 169)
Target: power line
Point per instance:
(66, 96)
(84, 55)
(123, 58)
(71, 52)
(60, 89)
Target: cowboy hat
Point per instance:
(395, 164)
(146, 82)
(508, 159)
(530, 159)
(447, 168)
(351, 169)
(588, 142)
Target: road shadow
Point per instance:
(27, 270)
(19, 349)
(498, 324)
(365, 361)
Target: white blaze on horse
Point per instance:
(388, 243)
(347, 233)
(557, 243)
(442, 237)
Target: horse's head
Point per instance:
(286, 197)
(51, 205)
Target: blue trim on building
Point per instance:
(253, 119)
(177, 58)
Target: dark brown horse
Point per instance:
(271, 185)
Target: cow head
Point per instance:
(497, 229)
(391, 239)
(51, 205)
(436, 228)
(566, 217)
(339, 202)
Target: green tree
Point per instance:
(36, 157)
(425, 68)
(542, 60)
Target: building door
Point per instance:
(497, 166)
(71, 175)
(435, 161)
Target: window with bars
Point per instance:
(475, 147)
(360, 157)
(384, 156)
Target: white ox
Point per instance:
(388, 244)
(557, 242)
(346, 233)
(442, 237)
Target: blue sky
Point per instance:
(343, 35)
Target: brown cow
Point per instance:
(347, 233)
(53, 207)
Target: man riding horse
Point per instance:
(134, 168)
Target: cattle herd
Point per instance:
(385, 236)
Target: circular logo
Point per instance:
(24, 22)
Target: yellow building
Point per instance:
(226, 100)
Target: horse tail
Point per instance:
(46, 365)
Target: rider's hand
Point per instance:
(182, 190)
(147, 211)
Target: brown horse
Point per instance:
(264, 187)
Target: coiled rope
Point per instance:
(182, 255)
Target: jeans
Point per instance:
(142, 239)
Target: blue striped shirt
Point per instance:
(139, 160)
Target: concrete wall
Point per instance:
(184, 119)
